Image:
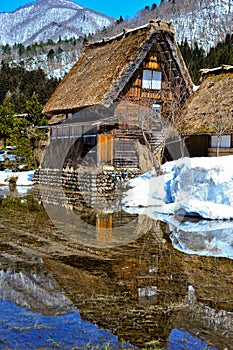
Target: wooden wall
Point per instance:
(212, 152)
(197, 145)
(173, 92)
(105, 149)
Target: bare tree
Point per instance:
(219, 120)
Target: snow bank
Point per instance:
(189, 186)
(205, 238)
(24, 178)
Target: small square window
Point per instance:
(151, 79)
(156, 107)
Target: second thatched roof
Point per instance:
(211, 106)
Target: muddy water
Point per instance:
(73, 277)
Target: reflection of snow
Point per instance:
(198, 316)
(213, 239)
(19, 191)
(33, 291)
(193, 186)
(202, 237)
(147, 292)
(24, 178)
(191, 295)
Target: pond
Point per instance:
(75, 276)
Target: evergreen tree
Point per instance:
(51, 54)
(222, 53)
(194, 58)
(153, 6)
(34, 111)
(21, 84)
(6, 119)
(21, 49)
(119, 20)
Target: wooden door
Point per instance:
(105, 149)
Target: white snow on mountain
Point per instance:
(206, 21)
(49, 19)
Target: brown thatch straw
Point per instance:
(210, 105)
(105, 67)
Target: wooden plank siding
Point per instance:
(105, 149)
(135, 116)
(212, 152)
(170, 97)
(200, 146)
(69, 131)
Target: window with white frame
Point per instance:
(157, 109)
(224, 141)
(151, 79)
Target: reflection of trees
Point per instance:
(32, 287)
(207, 323)
(140, 291)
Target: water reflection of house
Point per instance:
(104, 227)
(207, 118)
(141, 73)
(147, 288)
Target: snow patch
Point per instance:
(24, 178)
(189, 186)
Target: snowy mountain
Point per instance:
(49, 19)
(205, 21)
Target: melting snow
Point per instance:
(189, 186)
(24, 178)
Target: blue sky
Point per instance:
(113, 8)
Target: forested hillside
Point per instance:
(22, 97)
(18, 84)
(197, 58)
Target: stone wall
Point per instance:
(83, 188)
(85, 180)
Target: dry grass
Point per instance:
(210, 105)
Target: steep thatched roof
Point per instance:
(105, 67)
(210, 108)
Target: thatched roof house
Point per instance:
(105, 67)
(118, 87)
(207, 116)
(211, 104)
